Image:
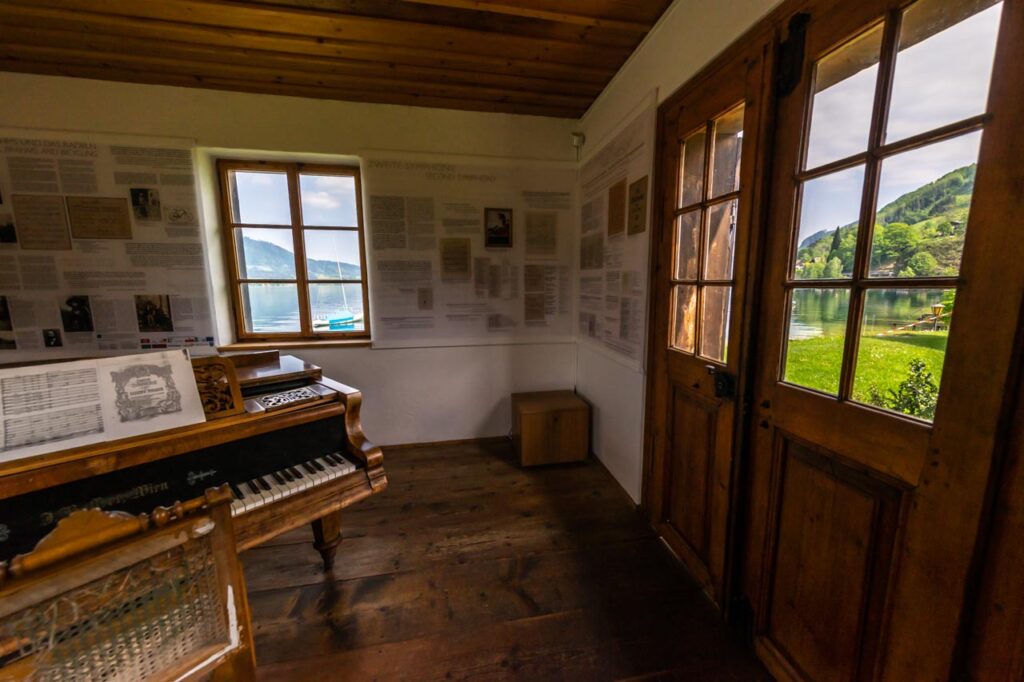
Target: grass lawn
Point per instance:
(882, 362)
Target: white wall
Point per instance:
(410, 395)
(688, 36)
(420, 394)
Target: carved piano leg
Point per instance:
(327, 537)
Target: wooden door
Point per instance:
(893, 281)
(709, 161)
(996, 639)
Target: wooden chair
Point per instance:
(110, 596)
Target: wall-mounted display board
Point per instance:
(100, 247)
(615, 210)
(468, 251)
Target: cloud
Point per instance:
(322, 200)
(937, 81)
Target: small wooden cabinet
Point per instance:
(549, 427)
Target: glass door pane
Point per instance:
(844, 87)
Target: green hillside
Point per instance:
(265, 260)
(919, 234)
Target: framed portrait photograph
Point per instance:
(498, 228)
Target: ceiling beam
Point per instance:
(533, 13)
(330, 25)
(378, 96)
(285, 77)
(494, 22)
(197, 53)
(33, 17)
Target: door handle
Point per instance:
(725, 383)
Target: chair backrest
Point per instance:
(110, 596)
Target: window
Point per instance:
(704, 240)
(896, 118)
(294, 235)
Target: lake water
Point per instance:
(274, 308)
(290, 323)
(823, 312)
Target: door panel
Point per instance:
(876, 414)
(691, 467)
(708, 165)
(834, 528)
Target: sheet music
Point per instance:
(54, 407)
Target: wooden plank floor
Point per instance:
(469, 567)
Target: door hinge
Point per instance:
(790, 65)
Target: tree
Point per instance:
(811, 270)
(833, 269)
(923, 264)
(900, 241)
(836, 242)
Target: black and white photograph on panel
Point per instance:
(8, 234)
(498, 228)
(52, 338)
(5, 315)
(154, 313)
(76, 314)
(146, 204)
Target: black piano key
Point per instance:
(333, 458)
(308, 467)
(317, 465)
(139, 489)
(278, 477)
(253, 487)
(287, 475)
(263, 483)
(295, 472)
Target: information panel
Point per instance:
(614, 239)
(100, 248)
(469, 252)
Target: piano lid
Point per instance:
(270, 367)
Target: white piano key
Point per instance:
(292, 483)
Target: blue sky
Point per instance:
(326, 200)
(937, 81)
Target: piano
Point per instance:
(291, 447)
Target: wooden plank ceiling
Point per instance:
(543, 57)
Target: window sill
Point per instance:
(288, 345)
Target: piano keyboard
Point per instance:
(277, 485)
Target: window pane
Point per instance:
(684, 316)
(332, 254)
(721, 240)
(902, 349)
(691, 174)
(817, 333)
(336, 307)
(260, 198)
(687, 244)
(714, 330)
(328, 200)
(271, 308)
(925, 197)
(728, 146)
(829, 210)
(944, 64)
(265, 253)
(844, 91)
